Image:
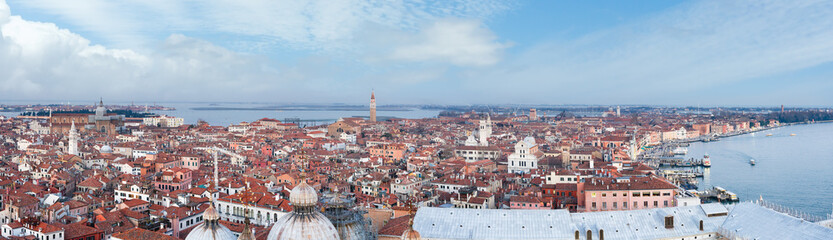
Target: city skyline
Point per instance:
(691, 53)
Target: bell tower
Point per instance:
(73, 140)
(372, 107)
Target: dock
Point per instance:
(717, 194)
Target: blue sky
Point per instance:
(419, 52)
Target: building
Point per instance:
(613, 194)
(100, 121)
(343, 126)
(389, 151)
(484, 131)
(262, 209)
(525, 157)
(477, 153)
(32, 227)
(163, 121)
(533, 114)
(709, 221)
(72, 145)
(305, 221)
(347, 219)
(210, 228)
(372, 107)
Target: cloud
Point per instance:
(5, 12)
(307, 25)
(678, 56)
(459, 42)
(42, 61)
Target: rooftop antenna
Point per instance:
(216, 174)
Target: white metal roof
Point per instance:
(751, 221)
(456, 223)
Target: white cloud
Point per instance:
(42, 61)
(5, 12)
(316, 25)
(460, 42)
(679, 56)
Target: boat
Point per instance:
(792, 134)
(707, 162)
(752, 162)
(769, 134)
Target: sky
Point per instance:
(656, 52)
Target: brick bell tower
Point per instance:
(372, 107)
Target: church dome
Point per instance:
(303, 195)
(347, 219)
(305, 221)
(106, 149)
(410, 234)
(210, 228)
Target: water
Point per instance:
(226, 117)
(793, 171)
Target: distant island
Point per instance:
(306, 108)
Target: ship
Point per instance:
(707, 162)
(752, 162)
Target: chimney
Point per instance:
(669, 221)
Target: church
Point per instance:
(100, 121)
(335, 221)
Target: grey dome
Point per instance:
(106, 149)
(305, 221)
(210, 228)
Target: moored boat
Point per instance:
(752, 162)
(707, 161)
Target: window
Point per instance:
(594, 205)
(593, 195)
(604, 194)
(656, 204)
(645, 204)
(666, 194)
(665, 203)
(625, 205)
(604, 205)
(614, 194)
(614, 205)
(636, 194)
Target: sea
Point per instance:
(224, 114)
(795, 171)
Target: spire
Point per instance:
(372, 94)
(101, 101)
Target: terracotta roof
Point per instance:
(142, 234)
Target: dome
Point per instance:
(347, 219)
(303, 195)
(210, 228)
(410, 234)
(106, 149)
(305, 221)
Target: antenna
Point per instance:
(216, 174)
